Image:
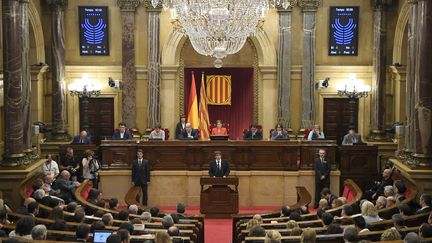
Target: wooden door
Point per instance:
(100, 117)
(337, 114)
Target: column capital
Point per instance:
(58, 4)
(309, 5)
(381, 5)
(128, 5)
(292, 3)
(149, 6)
(412, 1)
(24, 1)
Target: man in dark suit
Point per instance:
(253, 134)
(322, 174)
(82, 138)
(378, 189)
(181, 126)
(141, 174)
(425, 203)
(122, 133)
(189, 133)
(66, 186)
(351, 138)
(219, 167)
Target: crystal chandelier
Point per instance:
(219, 28)
(353, 88)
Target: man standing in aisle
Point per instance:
(322, 174)
(141, 174)
(219, 167)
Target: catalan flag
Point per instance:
(192, 117)
(218, 89)
(203, 112)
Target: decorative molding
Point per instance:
(401, 25)
(149, 6)
(128, 5)
(256, 80)
(36, 23)
(293, 3)
(309, 5)
(180, 79)
(58, 4)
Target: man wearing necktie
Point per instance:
(219, 167)
(322, 174)
(141, 174)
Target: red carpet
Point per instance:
(220, 230)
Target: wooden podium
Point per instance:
(219, 196)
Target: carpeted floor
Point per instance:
(220, 230)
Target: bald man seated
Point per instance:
(378, 189)
(82, 138)
(189, 133)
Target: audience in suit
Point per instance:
(82, 138)
(180, 127)
(322, 174)
(23, 228)
(189, 133)
(425, 203)
(82, 232)
(65, 186)
(378, 189)
(253, 133)
(351, 138)
(122, 133)
(279, 133)
(219, 167)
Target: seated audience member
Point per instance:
(378, 189)
(65, 186)
(380, 203)
(325, 193)
(316, 133)
(133, 209)
(189, 133)
(146, 217)
(390, 201)
(167, 221)
(399, 223)
(124, 235)
(4, 218)
(82, 138)
(273, 236)
(351, 138)
(390, 234)
(113, 238)
(48, 184)
(82, 232)
(50, 166)
(334, 229)
(173, 231)
(291, 224)
(323, 204)
(253, 133)
(430, 218)
(346, 213)
(251, 223)
(23, 228)
(123, 215)
(97, 225)
(58, 217)
(219, 130)
(425, 203)
(154, 211)
(388, 191)
(89, 168)
(257, 231)
(3, 205)
(180, 127)
(308, 236)
(369, 212)
(405, 210)
(157, 133)
(162, 237)
(33, 209)
(279, 133)
(399, 190)
(108, 219)
(327, 218)
(350, 234)
(39, 232)
(343, 200)
(285, 211)
(336, 203)
(127, 226)
(71, 207)
(175, 218)
(113, 203)
(23, 209)
(79, 215)
(296, 232)
(412, 238)
(296, 216)
(181, 209)
(425, 230)
(258, 218)
(360, 225)
(122, 133)
(70, 163)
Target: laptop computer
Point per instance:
(219, 137)
(100, 236)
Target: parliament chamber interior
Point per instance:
(216, 121)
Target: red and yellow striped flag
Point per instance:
(203, 112)
(218, 89)
(192, 117)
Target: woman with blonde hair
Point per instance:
(391, 234)
(292, 224)
(273, 236)
(251, 223)
(308, 236)
(162, 237)
(369, 212)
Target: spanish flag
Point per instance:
(192, 117)
(203, 112)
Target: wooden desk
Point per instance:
(218, 199)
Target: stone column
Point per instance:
(284, 67)
(127, 8)
(153, 67)
(26, 76)
(12, 69)
(58, 69)
(308, 70)
(379, 72)
(423, 87)
(410, 77)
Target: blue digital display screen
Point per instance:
(93, 25)
(343, 35)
